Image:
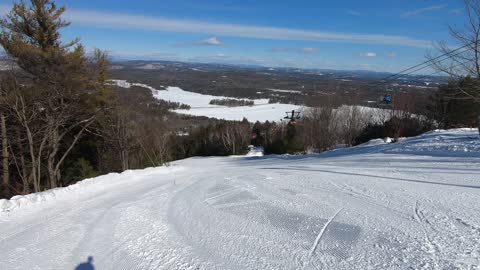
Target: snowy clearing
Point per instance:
(262, 111)
(284, 91)
(199, 103)
(410, 205)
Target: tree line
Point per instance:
(231, 102)
(60, 119)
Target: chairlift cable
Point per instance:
(419, 67)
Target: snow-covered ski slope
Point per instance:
(409, 205)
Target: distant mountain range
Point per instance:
(325, 73)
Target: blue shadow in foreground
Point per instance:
(88, 265)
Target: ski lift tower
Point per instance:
(292, 116)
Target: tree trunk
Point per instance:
(25, 178)
(478, 120)
(124, 157)
(5, 157)
(22, 166)
(52, 176)
(54, 145)
(54, 168)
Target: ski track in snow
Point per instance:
(432, 247)
(319, 236)
(410, 205)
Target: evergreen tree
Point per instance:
(54, 97)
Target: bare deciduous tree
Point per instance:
(55, 102)
(5, 153)
(400, 111)
(321, 127)
(464, 62)
(352, 120)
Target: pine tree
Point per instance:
(56, 101)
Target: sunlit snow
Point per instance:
(199, 103)
(406, 205)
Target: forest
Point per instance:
(230, 102)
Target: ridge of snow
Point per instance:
(102, 182)
(463, 142)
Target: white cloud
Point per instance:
(368, 54)
(309, 50)
(424, 10)
(213, 41)
(126, 21)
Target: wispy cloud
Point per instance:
(457, 11)
(309, 50)
(213, 41)
(152, 55)
(299, 50)
(127, 21)
(392, 55)
(368, 54)
(280, 49)
(424, 10)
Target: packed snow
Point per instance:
(407, 205)
(255, 151)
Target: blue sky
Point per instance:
(381, 35)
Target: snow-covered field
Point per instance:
(410, 205)
(262, 111)
(199, 103)
(284, 91)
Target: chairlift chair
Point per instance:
(292, 116)
(387, 99)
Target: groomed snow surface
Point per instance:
(409, 205)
